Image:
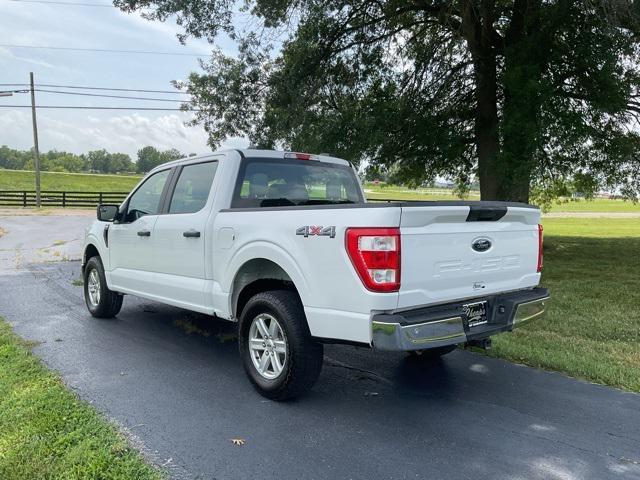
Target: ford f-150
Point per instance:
(286, 245)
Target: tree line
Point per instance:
(95, 161)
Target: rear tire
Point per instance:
(101, 302)
(278, 354)
(432, 354)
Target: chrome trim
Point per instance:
(525, 312)
(448, 331)
(393, 336)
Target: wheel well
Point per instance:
(90, 251)
(255, 276)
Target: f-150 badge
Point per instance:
(316, 231)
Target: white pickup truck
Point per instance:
(286, 245)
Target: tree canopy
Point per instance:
(105, 162)
(98, 161)
(150, 157)
(529, 96)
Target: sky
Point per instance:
(80, 131)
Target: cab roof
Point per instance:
(256, 154)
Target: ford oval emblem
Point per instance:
(481, 244)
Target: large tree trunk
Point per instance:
(486, 129)
(506, 147)
(525, 55)
(477, 26)
(520, 135)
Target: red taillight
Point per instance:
(375, 254)
(540, 252)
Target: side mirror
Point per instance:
(107, 212)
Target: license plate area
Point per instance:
(476, 313)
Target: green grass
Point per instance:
(46, 432)
(596, 205)
(592, 330)
(396, 192)
(592, 228)
(25, 180)
(401, 193)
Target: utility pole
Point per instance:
(36, 161)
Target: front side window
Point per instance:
(277, 183)
(192, 187)
(146, 199)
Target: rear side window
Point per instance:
(192, 187)
(280, 183)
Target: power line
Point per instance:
(103, 108)
(76, 4)
(109, 96)
(103, 50)
(177, 92)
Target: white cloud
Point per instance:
(122, 133)
(81, 130)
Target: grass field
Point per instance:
(24, 180)
(400, 193)
(592, 330)
(47, 433)
(596, 205)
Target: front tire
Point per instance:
(279, 356)
(101, 302)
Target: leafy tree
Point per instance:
(67, 163)
(98, 160)
(104, 162)
(520, 93)
(13, 159)
(121, 162)
(150, 157)
(171, 154)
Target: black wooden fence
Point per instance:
(48, 198)
(27, 198)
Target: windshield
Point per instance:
(280, 183)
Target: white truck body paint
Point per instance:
(438, 264)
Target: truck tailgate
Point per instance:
(454, 251)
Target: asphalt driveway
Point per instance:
(174, 382)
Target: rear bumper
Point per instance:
(448, 324)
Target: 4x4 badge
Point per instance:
(316, 231)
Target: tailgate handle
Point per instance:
(481, 213)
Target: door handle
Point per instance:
(144, 233)
(191, 234)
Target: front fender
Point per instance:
(94, 236)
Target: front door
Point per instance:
(131, 239)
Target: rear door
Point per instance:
(179, 236)
(458, 251)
